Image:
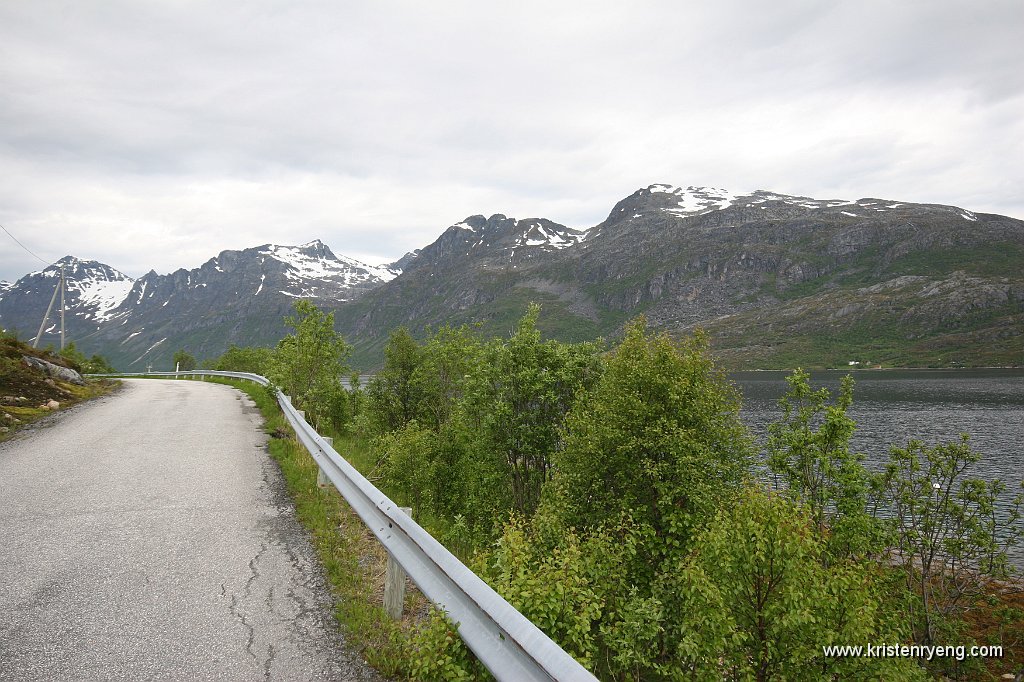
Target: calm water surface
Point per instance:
(934, 406)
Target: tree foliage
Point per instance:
(658, 438)
(947, 532)
(943, 533)
(309, 363)
(518, 401)
(485, 419)
(810, 458)
(97, 364)
(245, 359)
(758, 600)
(394, 393)
(608, 497)
(184, 361)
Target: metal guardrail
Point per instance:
(506, 642)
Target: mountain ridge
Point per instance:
(765, 272)
(239, 294)
(702, 257)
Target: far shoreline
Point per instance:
(881, 369)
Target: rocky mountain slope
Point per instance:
(778, 280)
(238, 297)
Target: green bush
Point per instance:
(758, 599)
(809, 456)
(183, 361)
(478, 423)
(309, 363)
(658, 438)
(244, 359)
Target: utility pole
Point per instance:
(62, 288)
(39, 334)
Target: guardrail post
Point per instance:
(321, 478)
(394, 583)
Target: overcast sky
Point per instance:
(154, 134)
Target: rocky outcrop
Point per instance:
(54, 371)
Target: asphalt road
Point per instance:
(147, 536)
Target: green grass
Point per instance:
(983, 260)
(985, 339)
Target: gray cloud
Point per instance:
(156, 134)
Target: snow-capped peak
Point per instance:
(696, 200)
(93, 287)
(546, 234)
(315, 261)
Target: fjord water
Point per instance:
(934, 406)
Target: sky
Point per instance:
(154, 134)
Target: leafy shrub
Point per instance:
(244, 359)
(658, 438)
(757, 600)
(437, 653)
(809, 456)
(309, 363)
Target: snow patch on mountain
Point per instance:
(93, 289)
(818, 204)
(105, 296)
(536, 233)
(314, 261)
(694, 201)
(148, 350)
(381, 272)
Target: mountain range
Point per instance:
(238, 297)
(777, 281)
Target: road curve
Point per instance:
(147, 535)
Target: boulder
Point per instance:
(53, 405)
(54, 371)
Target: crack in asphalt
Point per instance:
(250, 644)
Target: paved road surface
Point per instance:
(146, 536)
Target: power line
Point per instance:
(27, 250)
